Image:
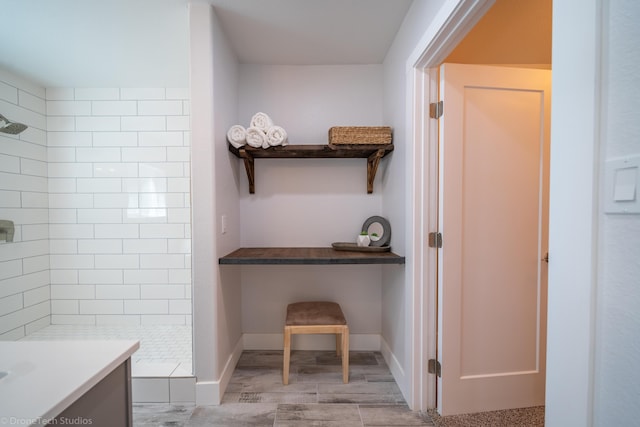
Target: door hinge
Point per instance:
(435, 240)
(436, 109)
(435, 367)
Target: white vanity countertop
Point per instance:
(45, 377)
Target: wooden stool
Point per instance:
(318, 317)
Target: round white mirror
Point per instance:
(376, 231)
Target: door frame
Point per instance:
(454, 20)
(575, 145)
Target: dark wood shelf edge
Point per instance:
(307, 256)
(316, 151)
(373, 153)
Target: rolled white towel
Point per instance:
(256, 138)
(261, 121)
(237, 136)
(277, 136)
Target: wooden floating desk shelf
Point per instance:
(373, 153)
(309, 256)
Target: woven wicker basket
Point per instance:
(346, 135)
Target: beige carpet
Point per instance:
(529, 417)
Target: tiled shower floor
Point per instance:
(165, 350)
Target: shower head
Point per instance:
(10, 127)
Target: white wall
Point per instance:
(592, 375)
(308, 100)
(227, 171)
(24, 264)
(575, 120)
(217, 322)
(309, 202)
(119, 205)
(617, 377)
(398, 297)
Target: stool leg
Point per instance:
(345, 355)
(287, 354)
(338, 344)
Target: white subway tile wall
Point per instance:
(98, 188)
(119, 205)
(24, 263)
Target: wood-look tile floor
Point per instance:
(315, 396)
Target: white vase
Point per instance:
(363, 240)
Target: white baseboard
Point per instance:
(211, 392)
(357, 342)
(396, 369)
(207, 393)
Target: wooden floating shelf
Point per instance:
(308, 256)
(373, 153)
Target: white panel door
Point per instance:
(493, 206)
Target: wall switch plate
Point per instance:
(223, 224)
(622, 185)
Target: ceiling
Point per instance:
(511, 32)
(145, 43)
